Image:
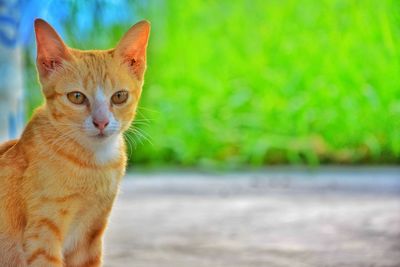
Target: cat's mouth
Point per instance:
(101, 136)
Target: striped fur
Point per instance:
(58, 184)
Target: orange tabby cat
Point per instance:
(59, 180)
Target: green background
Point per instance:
(249, 83)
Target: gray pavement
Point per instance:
(273, 218)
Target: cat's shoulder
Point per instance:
(11, 158)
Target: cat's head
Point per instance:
(91, 95)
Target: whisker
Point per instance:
(129, 141)
(140, 134)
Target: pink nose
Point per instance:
(100, 124)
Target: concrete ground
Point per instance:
(274, 218)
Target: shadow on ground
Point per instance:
(330, 217)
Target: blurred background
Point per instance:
(235, 84)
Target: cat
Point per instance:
(58, 182)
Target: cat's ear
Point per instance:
(132, 48)
(51, 50)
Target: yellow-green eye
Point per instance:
(119, 97)
(76, 97)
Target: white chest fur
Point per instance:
(107, 151)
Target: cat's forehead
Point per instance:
(98, 70)
(95, 60)
(94, 54)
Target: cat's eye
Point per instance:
(119, 97)
(76, 97)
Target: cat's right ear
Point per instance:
(51, 50)
(132, 47)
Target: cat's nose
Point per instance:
(100, 124)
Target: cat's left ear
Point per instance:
(51, 50)
(132, 48)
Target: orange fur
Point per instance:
(57, 183)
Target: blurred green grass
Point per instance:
(249, 83)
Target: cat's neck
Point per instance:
(105, 151)
(44, 136)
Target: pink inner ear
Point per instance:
(134, 57)
(137, 66)
(49, 65)
(132, 48)
(51, 50)
(134, 52)
(136, 62)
